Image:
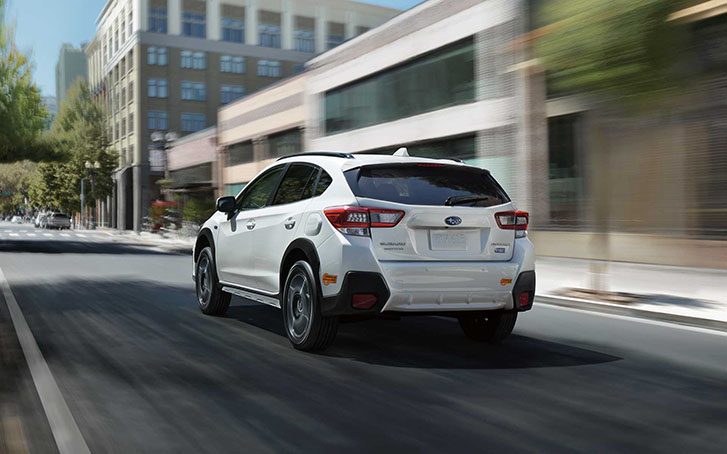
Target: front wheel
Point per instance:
(306, 328)
(210, 298)
(491, 327)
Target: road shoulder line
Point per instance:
(586, 305)
(65, 430)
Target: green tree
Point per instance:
(620, 51)
(15, 182)
(22, 116)
(79, 133)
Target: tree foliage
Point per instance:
(16, 180)
(620, 50)
(22, 115)
(79, 133)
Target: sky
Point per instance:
(42, 26)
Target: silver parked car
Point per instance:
(57, 221)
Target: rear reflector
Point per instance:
(524, 299)
(363, 301)
(513, 220)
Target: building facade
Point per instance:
(168, 65)
(51, 109)
(71, 66)
(444, 80)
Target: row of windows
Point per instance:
(113, 39)
(300, 182)
(233, 30)
(120, 128)
(280, 144)
(191, 91)
(159, 56)
(118, 98)
(191, 122)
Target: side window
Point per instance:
(324, 181)
(294, 183)
(258, 194)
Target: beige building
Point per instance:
(168, 65)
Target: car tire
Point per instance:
(491, 327)
(210, 297)
(306, 328)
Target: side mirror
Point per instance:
(226, 204)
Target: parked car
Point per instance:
(16, 220)
(40, 220)
(329, 235)
(57, 221)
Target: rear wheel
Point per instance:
(210, 298)
(492, 326)
(306, 328)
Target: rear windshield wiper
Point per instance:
(460, 199)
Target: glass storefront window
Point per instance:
(441, 79)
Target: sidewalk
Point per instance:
(168, 242)
(690, 296)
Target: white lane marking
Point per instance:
(47, 234)
(65, 235)
(80, 235)
(22, 231)
(65, 430)
(30, 234)
(639, 320)
(14, 234)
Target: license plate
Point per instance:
(447, 240)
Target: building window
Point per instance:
(285, 143)
(157, 88)
(131, 23)
(235, 65)
(267, 68)
(193, 122)
(123, 31)
(123, 127)
(157, 56)
(269, 35)
(116, 40)
(304, 41)
(233, 30)
(298, 68)
(117, 131)
(194, 91)
(360, 30)
(194, 24)
(131, 123)
(157, 121)
(441, 79)
(130, 59)
(239, 153)
(131, 91)
(158, 20)
(334, 41)
(123, 96)
(565, 177)
(229, 93)
(193, 60)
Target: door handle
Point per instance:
(289, 223)
(251, 224)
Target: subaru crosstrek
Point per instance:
(329, 235)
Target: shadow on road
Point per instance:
(428, 343)
(77, 247)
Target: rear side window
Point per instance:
(426, 184)
(295, 182)
(324, 181)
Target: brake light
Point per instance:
(359, 220)
(512, 220)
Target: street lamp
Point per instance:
(92, 168)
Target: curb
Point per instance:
(608, 308)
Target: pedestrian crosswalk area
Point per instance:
(38, 234)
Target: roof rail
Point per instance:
(454, 159)
(330, 154)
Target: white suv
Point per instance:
(330, 235)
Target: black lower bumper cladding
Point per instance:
(525, 283)
(357, 282)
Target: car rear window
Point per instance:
(426, 184)
(60, 216)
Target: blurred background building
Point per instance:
(463, 79)
(168, 65)
(51, 107)
(71, 66)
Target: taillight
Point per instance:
(359, 220)
(513, 220)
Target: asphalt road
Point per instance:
(143, 371)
